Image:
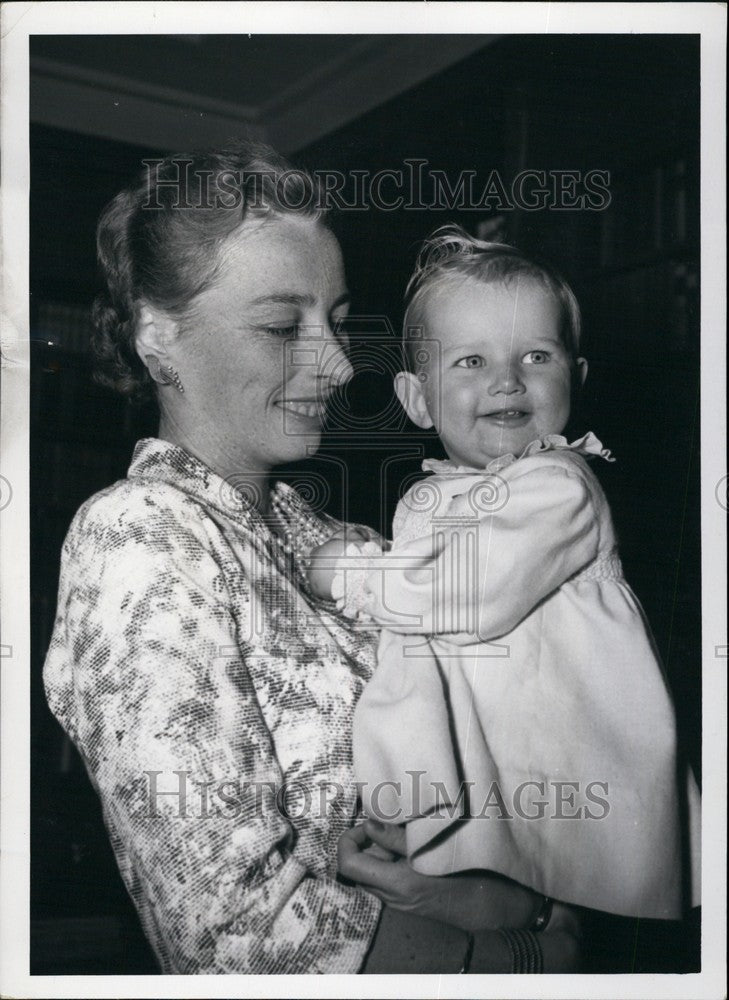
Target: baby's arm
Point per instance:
(480, 578)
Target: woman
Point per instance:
(208, 691)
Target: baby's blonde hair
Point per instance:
(451, 251)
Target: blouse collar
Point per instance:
(588, 445)
(156, 459)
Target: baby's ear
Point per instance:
(409, 391)
(581, 366)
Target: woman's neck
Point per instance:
(229, 463)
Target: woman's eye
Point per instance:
(285, 332)
(536, 358)
(472, 361)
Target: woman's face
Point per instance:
(259, 356)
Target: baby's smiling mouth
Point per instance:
(507, 417)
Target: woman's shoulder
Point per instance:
(135, 512)
(141, 541)
(128, 500)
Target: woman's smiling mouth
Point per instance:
(309, 408)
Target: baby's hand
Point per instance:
(323, 560)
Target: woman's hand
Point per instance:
(373, 855)
(471, 901)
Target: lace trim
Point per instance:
(608, 567)
(350, 588)
(588, 445)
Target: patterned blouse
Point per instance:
(211, 698)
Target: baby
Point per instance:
(518, 720)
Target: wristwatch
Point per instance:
(543, 916)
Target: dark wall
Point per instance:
(628, 105)
(623, 104)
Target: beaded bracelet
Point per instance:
(525, 951)
(528, 949)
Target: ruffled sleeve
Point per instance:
(589, 446)
(350, 588)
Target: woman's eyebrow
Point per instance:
(285, 299)
(296, 299)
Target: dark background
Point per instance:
(625, 104)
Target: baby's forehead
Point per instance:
(460, 311)
(455, 302)
(465, 289)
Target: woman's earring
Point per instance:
(174, 378)
(163, 375)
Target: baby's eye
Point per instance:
(536, 358)
(472, 361)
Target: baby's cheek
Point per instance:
(556, 408)
(455, 402)
(563, 393)
(430, 384)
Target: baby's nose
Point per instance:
(507, 380)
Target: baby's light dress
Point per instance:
(519, 718)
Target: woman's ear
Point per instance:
(155, 330)
(581, 370)
(409, 391)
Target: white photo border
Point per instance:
(19, 21)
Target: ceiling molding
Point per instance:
(362, 50)
(124, 85)
(391, 65)
(120, 108)
(372, 71)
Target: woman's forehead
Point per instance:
(287, 249)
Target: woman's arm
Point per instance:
(146, 674)
(407, 944)
(469, 901)
(425, 918)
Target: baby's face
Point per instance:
(502, 376)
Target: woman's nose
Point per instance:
(320, 357)
(505, 380)
(334, 367)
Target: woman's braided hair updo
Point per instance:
(158, 241)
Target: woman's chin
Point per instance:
(297, 447)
